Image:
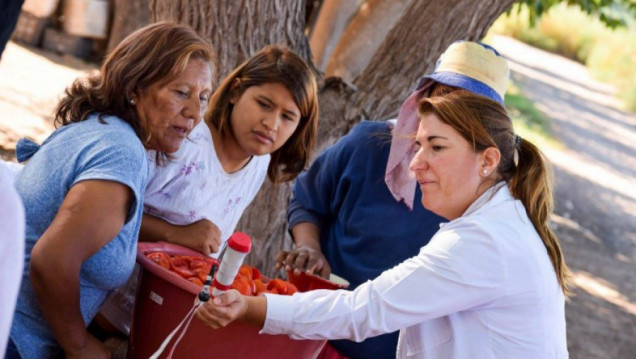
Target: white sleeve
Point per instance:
(12, 169)
(11, 249)
(459, 269)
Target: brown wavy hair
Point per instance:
(485, 123)
(153, 54)
(274, 64)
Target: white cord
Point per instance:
(185, 320)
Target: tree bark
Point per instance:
(410, 50)
(128, 16)
(331, 22)
(363, 36)
(407, 51)
(238, 29)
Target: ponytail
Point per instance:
(532, 183)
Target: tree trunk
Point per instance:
(128, 16)
(333, 18)
(363, 36)
(238, 29)
(406, 51)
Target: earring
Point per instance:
(485, 172)
(132, 101)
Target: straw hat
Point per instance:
(472, 66)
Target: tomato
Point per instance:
(160, 258)
(196, 281)
(278, 285)
(244, 285)
(200, 263)
(256, 274)
(260, 286)
(244, 272)
(291, 289)
(183, 271)
(281, 287)
(195, 269)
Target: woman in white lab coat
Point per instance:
(490, 284)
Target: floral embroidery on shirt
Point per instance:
(192, 215)
(165, 194)
(230, 205)
(191, 167)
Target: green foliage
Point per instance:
(564, 30)
(612, 13)
(609, 54)
(528, 121)
(612, 60)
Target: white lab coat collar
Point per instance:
(491, 197)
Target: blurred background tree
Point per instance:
(604, 40)
(612, 13)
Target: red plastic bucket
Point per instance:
(306, 282)
(164, 299)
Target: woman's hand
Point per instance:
(304, 259)
(221, 311)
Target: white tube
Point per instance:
(238, 247)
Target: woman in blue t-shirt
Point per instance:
(83, 187)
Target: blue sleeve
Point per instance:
(116, 158)
(317, 192)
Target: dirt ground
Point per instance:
(595, 173)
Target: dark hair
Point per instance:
(274, 64)
(153, 54)
(485, 123)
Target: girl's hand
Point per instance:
(202, 236)
(223, 310)
(304, 259)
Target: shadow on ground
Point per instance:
(595, 196)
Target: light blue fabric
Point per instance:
(88, 150)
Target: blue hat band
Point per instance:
(464, 82)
